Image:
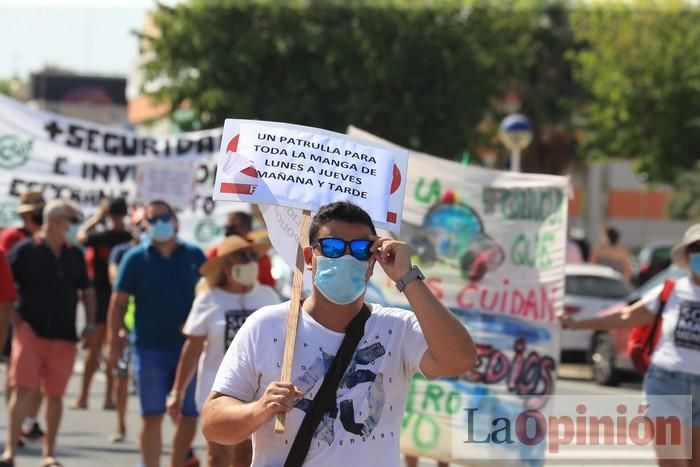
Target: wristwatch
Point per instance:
(409, 277)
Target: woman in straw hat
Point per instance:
(227, 294)
(675, 361)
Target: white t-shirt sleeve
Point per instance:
(414, 345)
(237, 376)
(197, 320)
(651, 298)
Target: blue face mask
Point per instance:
(341, 280)
(144, 238)
(72, 234)
(162, 231)
(694, 263)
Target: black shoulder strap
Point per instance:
(325, 398)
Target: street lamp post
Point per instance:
(515, 133)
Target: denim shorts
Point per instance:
(155, 373)
(660, 382)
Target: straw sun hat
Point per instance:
(680, 258)
(30, 201)
(212, 269)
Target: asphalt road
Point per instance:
(83, 438)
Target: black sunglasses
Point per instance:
(333, 247)
(245, 256)
(693, 248)
(165, 217)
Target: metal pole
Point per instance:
(515, 160)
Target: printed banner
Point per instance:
(86, 162)
(300, 167)
(492, 247)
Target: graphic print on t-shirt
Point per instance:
(234, 321)
(373, 394)
(687, 332)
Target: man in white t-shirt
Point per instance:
(363, 428)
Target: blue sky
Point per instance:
(86, 37)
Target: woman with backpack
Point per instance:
(674, 362)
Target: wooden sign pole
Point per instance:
(294, 309)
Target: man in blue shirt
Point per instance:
(161, 275)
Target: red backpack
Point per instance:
(642, 340)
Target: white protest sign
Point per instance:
(168, 181)
(305, 168)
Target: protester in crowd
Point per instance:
(99, 244)
(8, 295)
(241, 223)
(161, 275)
(50, 275)
(121, 373)
(675, 361)
(610, 253)
(393, 345)
(228, 293)
(29, 210)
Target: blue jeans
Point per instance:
(660, 382)
(155, 373)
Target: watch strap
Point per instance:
(409, 277)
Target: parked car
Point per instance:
(589, 289)
(653, 259)
(609, 348)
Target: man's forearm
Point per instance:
(228, 421)
(448, 340)
(187, 364)
(87, 227)
(115, 317)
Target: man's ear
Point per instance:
(308, 257)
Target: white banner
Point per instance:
(86, 162)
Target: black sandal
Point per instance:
(7, 463)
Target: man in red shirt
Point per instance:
(29, 210)
(8, 295)
(241, 223)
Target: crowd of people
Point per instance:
(162, 311)
(189, 309)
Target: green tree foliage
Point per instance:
(421, 75)
(550, 96)
(685, 202)
(641, 69)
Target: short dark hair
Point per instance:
(244, 218)
(341, 211)
(117, 207)
(613, 235)
(164, 204)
